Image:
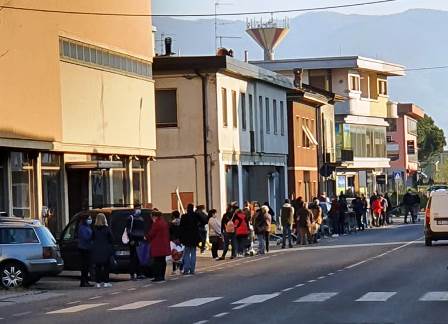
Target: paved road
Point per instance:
(379, 276)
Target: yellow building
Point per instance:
(77, 121)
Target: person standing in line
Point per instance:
(102, 250)
(260, 227)
(371, 201)
(203, 218)
(317, 220)
(385, 207)
(303, 223)
(84, 247)
(214, 232)
(135, 228)
(228, 230)
(241, 231)
(175, 226)
(333, 214)
(287, 222)
(190, 238)
(159, 238)
(365, 206)
(358, 208)
(343, 209)
(267, 234)
(271, 212)
(377, 209)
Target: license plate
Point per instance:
(442, 222)
(122, 253)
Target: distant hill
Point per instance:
(415, 38)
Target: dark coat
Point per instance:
(261, 224)
(136, 228)
(84, 236)
(189, 229)
(102, 248)
(159, 238)
(305, 217)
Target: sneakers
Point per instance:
(107, 285)
(98, 285)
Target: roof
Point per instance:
(214, 64)
(339, 62)
(411, 110)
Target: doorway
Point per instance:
(78, 191)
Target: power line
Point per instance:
(427, 68)
(359, 4)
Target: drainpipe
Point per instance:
(204, 79)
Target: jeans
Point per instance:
(261, 243)
(215, 245)
(267, 236)
(203, 235)
(189, 259)
(230, 238)
(359, 222)
(85, 265)
(102, 272)
(287, 233)
(364, 219)
(134, 264)
(159, 267)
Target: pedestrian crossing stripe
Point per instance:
(316, 297)
(435, 296)
(75, 309)
(197, 302)
(376, 296)
(137, 305)
(256, 299)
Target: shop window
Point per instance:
(166, 108)
(119, 185)
(99, 183)
(22, 183)
(51, 192)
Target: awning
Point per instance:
(310, 135)
(92, 165)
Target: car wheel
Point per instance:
(428, 241)
(12, 275)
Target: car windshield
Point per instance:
(47, 239)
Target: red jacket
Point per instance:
(376, 206)
(241, 227)
(159, 238)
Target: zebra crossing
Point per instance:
(315, 297)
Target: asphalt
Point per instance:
(325, 283)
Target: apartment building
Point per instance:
(360, 120)
(77, 105)
(402, 145)
(222, 133)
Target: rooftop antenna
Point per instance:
(217, 3)
(268, 34)
(161, 41)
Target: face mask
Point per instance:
(89, 221)
(137, 212)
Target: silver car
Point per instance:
(28, 251)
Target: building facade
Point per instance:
(360, 120)
(78, 123)
(222, 133)
(402, 146)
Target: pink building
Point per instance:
(402, 144)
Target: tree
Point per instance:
(430, 138)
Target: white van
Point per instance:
(436, 217)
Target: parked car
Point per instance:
(28, 252)
(117, 219)
(436, 217)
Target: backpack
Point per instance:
(230, 226)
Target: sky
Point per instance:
(207, 6)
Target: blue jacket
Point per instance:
(84, 236)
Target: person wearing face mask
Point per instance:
(136, 232)
(84, 247)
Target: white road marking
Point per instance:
(356, 264)
(316, 297)
(95, 297)
(132, 289)
(435, 296)
(330, 274)
(240, 307)
(201, 322)
(221, 315)
(148, 285)
(300, 285)
(340, 270)
(196, 302)
(377, 296)
(173, 279)
(287, 289)
(115, 293)
(256, 299)
(312, 280)
(321, 277)
(137, 305)
(75, 309)
(74, 302)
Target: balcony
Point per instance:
(358, 106)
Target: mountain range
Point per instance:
(416, 38)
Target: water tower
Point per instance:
(268, 34)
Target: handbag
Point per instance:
(125, 236)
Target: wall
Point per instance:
(29, 51)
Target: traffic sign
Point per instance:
(397, 176)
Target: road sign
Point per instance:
(397, 176)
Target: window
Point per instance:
(251, 113)
(18, 236)
(389, 139)
(51, 191)
(225, 120)
(137, 181)
(243, 111)
(282, 119)
(412, 126)
(166, 108)
(23, 184)
(382, 87)
(274, 112)
(268, 116)
(93, 55)
(392, 124)
(234, 110)
(354, 82)
(260, 107)
(305, 139)
(411, 147)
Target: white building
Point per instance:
(360, 119)
(221, 133)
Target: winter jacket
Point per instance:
(260, 223)
(358, 206)
(317, 214)
(189, 229)
(84, 236)
(135, 226)
(175, 229)
(214, 226)
(102, 248)
(159, 238)
(305, 217)
(377, 207)
(287, 215)
(241, 225)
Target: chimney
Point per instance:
(298, 77)
(168, 44)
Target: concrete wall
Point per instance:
(30, 80)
